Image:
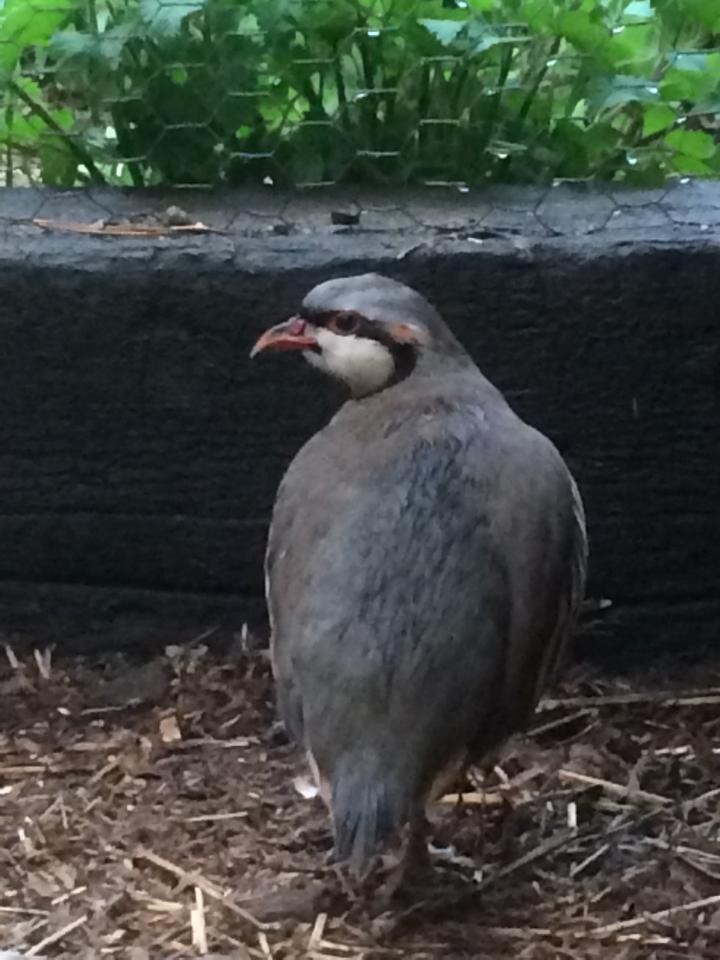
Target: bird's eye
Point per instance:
(344, 323)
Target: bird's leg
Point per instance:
(417, 855)
(414, 859)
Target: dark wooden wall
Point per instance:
(140, 449)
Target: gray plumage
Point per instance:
(425, 563)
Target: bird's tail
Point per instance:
(369, 807)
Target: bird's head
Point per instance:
(368, 331)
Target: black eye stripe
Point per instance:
(345, 322)
(350, 322)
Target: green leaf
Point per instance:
(693, 143)
(683, 163)
(474, 36)
(23, 24)
(58, 163)
(165, 17)
(333, 20)
(72, 43)
(446, 31)
(706, 107)
(620, 90)
(539, 14)
(582, 31)
(701, 12)
(24, 130)
(684, 84)
(657, 117)
(635, 49)
(247, 26)
(483, 36)
(697, 60)
(274, 14)
(106, 47)
(639, 9)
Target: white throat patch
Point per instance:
(363, 364)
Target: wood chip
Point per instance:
(316, 934)
(481, 798)
(55, 937)
(265, 946)
(170, 729)
(44, 662)
(11, 658)
(641, 796)
(197, 923)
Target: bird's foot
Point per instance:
(411, 866)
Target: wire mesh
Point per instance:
(316, 92)
(399, 224)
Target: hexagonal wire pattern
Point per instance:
(316, 92)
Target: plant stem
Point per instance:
(122, 130)
(532, 92)
(94, 29)
(576, 91)
(370, 104)
(92, 17)
(308, 91)
(505, 64)
(516, 129)
(39, 110)
(345, 120)
(126, 147)
(458, 84)
(424, 94)
(9, 172)
(423, 107)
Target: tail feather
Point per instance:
(368, 809)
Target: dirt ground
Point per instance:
(151, 809)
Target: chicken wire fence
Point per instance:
(388, 92)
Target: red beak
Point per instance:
(290, 335)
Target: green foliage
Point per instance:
(386, 91)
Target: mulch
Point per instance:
(152, 809)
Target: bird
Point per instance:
(425, 565)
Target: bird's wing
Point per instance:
(392, 586)
(570, 588)
(551, 557)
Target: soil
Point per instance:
(154, 809)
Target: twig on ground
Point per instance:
(56, 936)
(658, 916)
(693, 698)
(197, 923)
(190, 879)
(617, 789)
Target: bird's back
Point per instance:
(418, 579)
